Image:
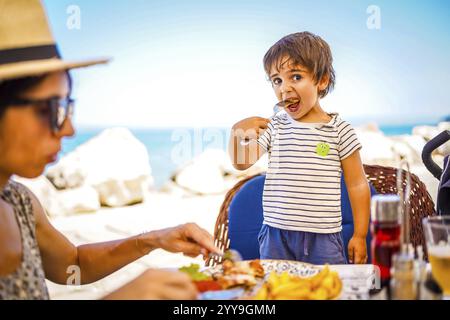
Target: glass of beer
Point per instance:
(437, 235)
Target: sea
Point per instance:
(170, 148)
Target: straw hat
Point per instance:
(27, 47)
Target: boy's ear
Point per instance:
(323, 82)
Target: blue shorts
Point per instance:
(315, 248)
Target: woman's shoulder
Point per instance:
(20, 196)
(16, 189)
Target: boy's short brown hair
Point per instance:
(305, 49)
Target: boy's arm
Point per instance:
(359, 194)
(244, 156)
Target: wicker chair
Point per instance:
(383, 179)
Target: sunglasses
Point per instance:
(54, 111)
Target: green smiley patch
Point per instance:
(323, 149)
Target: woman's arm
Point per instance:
(359, 194)
(98, 260)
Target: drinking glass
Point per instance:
(437, 236)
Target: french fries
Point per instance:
(324, 285)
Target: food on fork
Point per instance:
(286, 103)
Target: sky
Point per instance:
(199, 63)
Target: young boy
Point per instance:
(308, 150)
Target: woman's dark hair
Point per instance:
(13, 89)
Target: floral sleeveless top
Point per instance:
(28, 281)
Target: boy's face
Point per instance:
(293, 81)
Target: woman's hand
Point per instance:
(188, 238)
(156, 284)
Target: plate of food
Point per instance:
(266, 280)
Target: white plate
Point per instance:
(295, 268)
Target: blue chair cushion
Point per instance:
(245, 216)
(347, 219)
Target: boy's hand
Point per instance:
(357, 250)
(251, 128)
(243, 156)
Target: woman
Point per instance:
(35, 115)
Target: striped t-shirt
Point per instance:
(302, 191)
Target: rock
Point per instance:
(260, 166)
(445, 148)
(386, 151)
(204, 174)
(81, 199)
(426, 132)
(429, 132)
(211, 173)
(409, 147)
(61, 203)
(113, 161)
(67, 173)
(445, 125)
(46, 193)
(376, 148)
(115, 193)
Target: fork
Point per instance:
(230, 254)
(276, 108)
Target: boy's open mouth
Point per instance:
(293, 105)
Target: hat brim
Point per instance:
(39, 67)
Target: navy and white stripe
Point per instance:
(302, 191)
